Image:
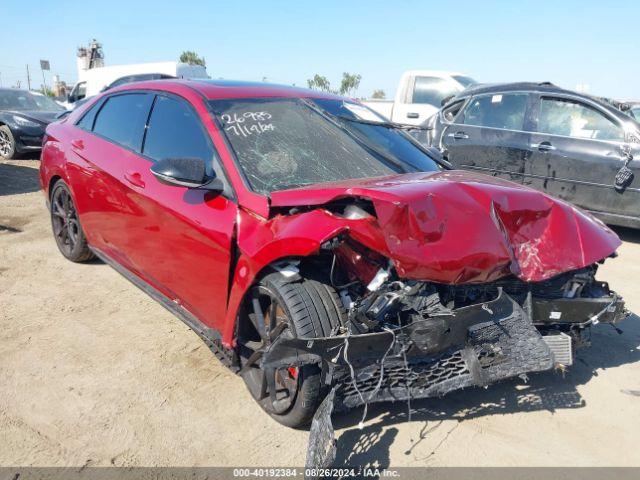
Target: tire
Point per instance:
(67, 231)
(7, 143)
(312, 309)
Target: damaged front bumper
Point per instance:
(474, 345)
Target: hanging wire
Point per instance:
(353, 375)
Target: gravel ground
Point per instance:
(93, 372)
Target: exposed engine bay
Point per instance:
(411, 339)
(408, 339)
(429, 311)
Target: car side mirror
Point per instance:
(185, 172)
(446, 100)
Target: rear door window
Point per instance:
(504, 111)
(122, 119)
(569, 118)
(175, 131)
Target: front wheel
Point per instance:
(306, 308)
(7, 143)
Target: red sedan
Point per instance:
(312, 245)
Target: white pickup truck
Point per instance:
(419, 95)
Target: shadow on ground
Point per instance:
(16, 178)
(628, 234)
(551, 391)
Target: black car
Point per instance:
(23, 117)
(569, 145)
(634, 110)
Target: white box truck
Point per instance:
(96, 80)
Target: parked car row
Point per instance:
(569, 145)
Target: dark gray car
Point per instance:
(24, 116)
(569, 145)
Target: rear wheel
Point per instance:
(306, 308)
(67, 230)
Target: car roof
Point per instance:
(433, 73)
(15, 90)
(535, 87)
(512, 87)
(222, 89)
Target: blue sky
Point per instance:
(566, 42)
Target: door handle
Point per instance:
(413, 115)
(77, 144)
(134, 178)
(458, 136)
(543, 146)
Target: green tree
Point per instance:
(378, 94)
(349, 84)
(46, 91)
(192, 58)
(319, 82)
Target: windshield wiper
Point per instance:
(394, 125)
(366, 143)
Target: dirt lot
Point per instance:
(93, 372)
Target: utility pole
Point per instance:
(28, 77)
(44, 65)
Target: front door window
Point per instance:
(505, 111)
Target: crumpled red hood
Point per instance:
(460, 227)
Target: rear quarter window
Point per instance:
(86, 121)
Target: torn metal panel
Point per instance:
(457, 227)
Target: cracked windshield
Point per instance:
(286, 143)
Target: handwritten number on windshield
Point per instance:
(247, 123)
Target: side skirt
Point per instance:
(617, 219)
(208, 335)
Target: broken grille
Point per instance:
(494, 351)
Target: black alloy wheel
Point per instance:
(67, 230)
(274, 389)
(302, 307)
